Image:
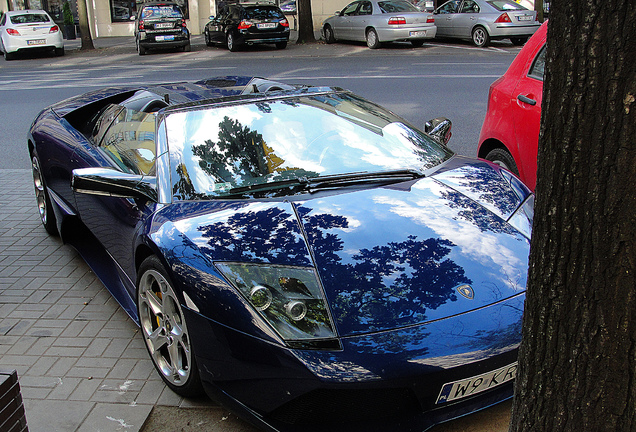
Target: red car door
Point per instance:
(527, 114)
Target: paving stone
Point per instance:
(55, 415)
(107, 417)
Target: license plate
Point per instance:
(163, 25)
(477, 384)
(36, 42)
(418, 33)
(524, 18)
(164, 38)
(266, 26)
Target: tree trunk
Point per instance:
(305, 22)
(85, 30)
(577, 360)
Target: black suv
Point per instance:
(248, 24)
(161, 25)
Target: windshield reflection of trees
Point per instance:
(388, 285)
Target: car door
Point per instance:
(527, 115)
(342, 24)
(216, 28)
(445, 16)
(127, 145)
(359, 21)
(464, 21)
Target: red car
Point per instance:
(510, 134)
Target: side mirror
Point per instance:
(337, 13)
(108, 182)
(133, 17)
(211, 17)
(440, 129)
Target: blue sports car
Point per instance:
(302, 255)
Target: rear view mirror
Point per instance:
(440, 129)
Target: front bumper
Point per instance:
(374, 383)
(406, 33)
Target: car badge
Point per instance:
(466, 291)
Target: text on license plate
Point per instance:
(418, 33)
(266, 25)
(164, 38)
(477, 384)
(524, 17)
(163, 25)
(36, 42)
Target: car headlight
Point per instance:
(522, 218)
(290, 299)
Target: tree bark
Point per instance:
(577, 360)
(85, 30)
(305, 22)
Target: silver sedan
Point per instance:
(375, 22)
(484, 20)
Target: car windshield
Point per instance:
(29, 18)
(506, 5)
(396, 6)
(215, 150)
(263, 12)
(169, 11)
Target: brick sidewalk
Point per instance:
(81, 364)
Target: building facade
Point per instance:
(117, 17)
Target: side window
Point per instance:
(235, 13)
(351, 9)
(538, 65)
(366, 8)
(470, 6)
(130, 141)
(449, 7)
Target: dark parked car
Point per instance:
(510, 133)
(243, 24)
(307, 257)
(161, 25)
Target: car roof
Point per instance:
(26, 11)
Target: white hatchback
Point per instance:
(28, 30)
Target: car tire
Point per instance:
(518, 41)
(47, 215)
(187, 48)
(281, 45)
(417, 43)
(9, 56)
(503, 158)
(481, 38)
(140, 49)
(59, 52)
(372, 39)
(329, 37)
(164, 330)
(231, 42)
(208, 42)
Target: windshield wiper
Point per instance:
(336, 181)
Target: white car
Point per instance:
(29, 30)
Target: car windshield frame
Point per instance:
(288, 142)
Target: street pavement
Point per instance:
(81, 363)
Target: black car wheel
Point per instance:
(417, 43)
(47, 216)
(518, 41)
(281, 45)
(164, 329)
(231, 43)
(481, 38)
(9, 56)
(187, 48)
(141, 50)
(503, 158)
(59, 52)
(329, 37)
(208, 42)
(372, 39)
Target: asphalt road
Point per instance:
(440, 79)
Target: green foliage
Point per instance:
(68, 14)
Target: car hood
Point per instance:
(386, 257)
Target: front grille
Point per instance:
(347, 406)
